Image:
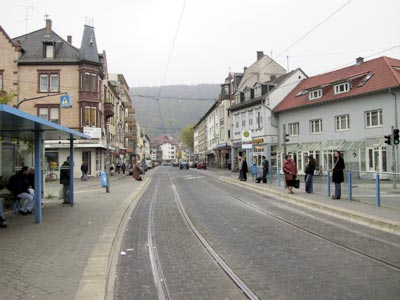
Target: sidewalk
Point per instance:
(68, 255)
(361, 209)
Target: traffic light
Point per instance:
(395, 136)
(388, 139)
(286, 138)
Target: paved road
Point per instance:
(279, 250)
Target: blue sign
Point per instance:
(65, 101)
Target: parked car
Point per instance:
(184, 164)
(149, 164)
(175, 164)
(201, 165)
(193, 164)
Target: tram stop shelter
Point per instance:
(20, 125)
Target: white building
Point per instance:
(168, 151)
(350, 110)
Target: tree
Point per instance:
(187, 136)
(6, 98)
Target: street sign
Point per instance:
(247, 140)
(65, 101)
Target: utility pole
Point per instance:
(284, 140)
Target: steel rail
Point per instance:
(159, 281)
(311, 232)
(236, 280)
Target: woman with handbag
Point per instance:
(290, 171)
(337, 174)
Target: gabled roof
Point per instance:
(367, 77)
(13, 43)
(32, 44)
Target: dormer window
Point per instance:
(257, 91)
(315, 94)
(49, 51)
(248, 94)
(341, 88)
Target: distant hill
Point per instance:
(178, 110)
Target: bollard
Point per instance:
(377, 190)
(270, 175)
(329, 183)
(279, 178)
(350, 185)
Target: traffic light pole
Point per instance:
(394, 164)
(284, 141)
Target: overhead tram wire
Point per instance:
(174, 98)
(303, 36)
(167, 66)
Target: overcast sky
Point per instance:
(216, 36)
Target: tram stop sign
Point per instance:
(65, 101)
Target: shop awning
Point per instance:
(332, 145)
(310, 146)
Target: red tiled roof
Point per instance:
(385, 73)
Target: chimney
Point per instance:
(272, 77)
(48, 26)
(244, 69)
(260, 54)
(69, 39)
(359, 60)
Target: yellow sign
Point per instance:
(258, 141)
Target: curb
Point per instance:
(97, 281)
(345, 214)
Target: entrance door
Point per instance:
(86, 156)
(376, 159)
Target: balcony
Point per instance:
(108, 109)
(131, 110)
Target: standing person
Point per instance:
(123, 168)
(229, 163)
(64, 180)
(245, 169)
(85, 170)
(265, 168)
(337, 174)
(309, 171)
(290, 170)
(19, 185)
(137, 171)
(3, 223)
(240, 164)
(118, 167)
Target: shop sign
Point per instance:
(247, 141)
(258, 141)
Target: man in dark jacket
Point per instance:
(309, 171)
(19, 185)
(245, 169)
(265, 167)
(337, 174)
(64, 180)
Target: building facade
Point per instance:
(350, 110)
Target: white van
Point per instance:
(148, 163)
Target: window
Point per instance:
(1, 80)
(341, 88)
(250, 122)
(89, 116)
(49, 51)
(374, 118)
(293, 129)
(258, 91)
(49, 113)
(88, 82)
(315, 94)
(316, 126)
(49, 82)
(259, 120)
(243, 123)
(342, 122)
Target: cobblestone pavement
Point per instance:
(279, 261)
(189, 271)
(46, 261)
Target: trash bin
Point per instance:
(103, 179)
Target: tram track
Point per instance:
(313, 232)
